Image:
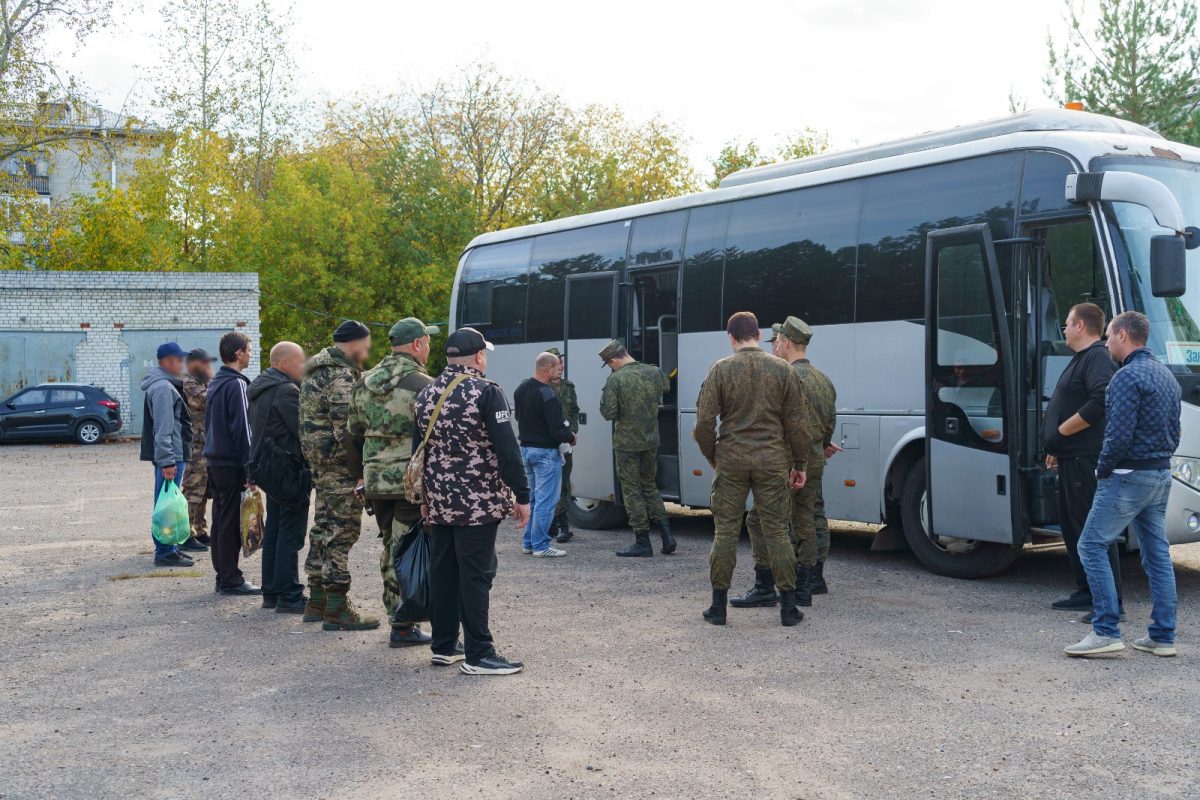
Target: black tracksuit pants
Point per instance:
(462, 565)
(225, 535)
(1076, 490)
(283, 536)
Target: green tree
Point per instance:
(735, 155)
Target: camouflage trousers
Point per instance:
(195, 489)
(564, 493)
(822, 525)
(394, 518)
(731, 489)
(802, 527)
(337, 524)
(636, 471)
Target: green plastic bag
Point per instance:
(170, 524)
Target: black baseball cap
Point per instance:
(200, 354)
(466, 342)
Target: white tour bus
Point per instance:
(987, 234)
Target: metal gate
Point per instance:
(28, 358)
(142, 356)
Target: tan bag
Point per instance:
(414, 473)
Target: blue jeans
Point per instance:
(161, 549)
(1137, 500)
(543, 466)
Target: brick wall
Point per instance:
(104, 305)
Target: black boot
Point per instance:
(818, 579)
(716, 612)
(789, 615)
(564, 531)
(668, 541)
(762, 595)
(640, 548)
(803, 585)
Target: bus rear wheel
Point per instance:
(946, 555)
(595, 515)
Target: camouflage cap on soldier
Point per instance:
(795, 329)
(409, 330)
(554, 351)
(610, 350)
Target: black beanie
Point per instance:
(351, 331)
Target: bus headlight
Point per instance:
(1186, 470)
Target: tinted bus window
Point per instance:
(1044, 185)
(599, 248)
(657, 239)
(793, 254)
(703, 268)
(899, 211)
(494, 285)
(477, 304)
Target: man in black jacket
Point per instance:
(541, 428)
(227, 450)
(275, 434)
(1072, 435)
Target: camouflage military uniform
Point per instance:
(630, 399)
(195, 477)
(757, 444)
(570, 408)
(379, 446)
(337, 514)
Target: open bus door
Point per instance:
(972, 499)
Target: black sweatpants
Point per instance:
(1076, 490)
(225, 545)
(462, 565)
(283, 536)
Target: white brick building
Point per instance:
(103, 327)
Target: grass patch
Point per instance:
(183, 573)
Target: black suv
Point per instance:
(80, 411)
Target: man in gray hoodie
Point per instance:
(166, 434)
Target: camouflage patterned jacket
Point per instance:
(630, 400)
(194, 392)
(569, 399)
(380, 425)
(472, 462)
(329, 378)
(822, 408)
(756, 395)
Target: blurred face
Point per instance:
(358, 351)
(200, 370)
(292, 365)
(172, 364)
(777, 345)
(481, 361)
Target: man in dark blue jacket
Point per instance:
(227, 450)
(1142, 407)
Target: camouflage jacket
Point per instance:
(472, 462)
(380, 424)
(822, 408)
(570, 403)
(194, 392)
(762, 408)
(329, 377)
(630, 400)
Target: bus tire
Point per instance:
(595, 515)
(974, 560)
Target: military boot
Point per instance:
(564, 532)
(762, 594)
(668, 541)
(341, 615)
(314, 610)
(803, 585)
(789, 615)
(640, 548)
(818, 579)
(716, 612)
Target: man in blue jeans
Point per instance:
(166, 434)
(541, 429)
(1142, 407)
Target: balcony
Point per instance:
(40, 184)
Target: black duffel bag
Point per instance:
(283, 475)
(412, 570)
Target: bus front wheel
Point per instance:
(946, 555)
(595, 515)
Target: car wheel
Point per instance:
(595, 515)
(89, 432)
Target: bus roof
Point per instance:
(1042, 128)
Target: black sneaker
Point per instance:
(442, 660)
(245, 587)
(194, 546)
(173, 560)
(1073, 601)
(270, 602)
(407, 636)
(295, 607)
(492, 665)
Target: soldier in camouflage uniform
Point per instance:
(329, 378)
(379, 446)
(630, 400)
(569, 400)
(762, 448)
(195, 477)
(790, 342)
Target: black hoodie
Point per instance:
(227, 420)
(275, 411)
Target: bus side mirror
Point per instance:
(1168, 265)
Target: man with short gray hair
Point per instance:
(541, 429)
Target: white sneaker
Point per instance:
(1148, 645)
(550, 552)
(1094, 644)
(527, 550)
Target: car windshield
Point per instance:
(1174, 321)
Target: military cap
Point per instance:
(466, 342)
(200, 354)
(409, 330)
(610, 350)
(793, 328)
(554, 351)
(351, 331)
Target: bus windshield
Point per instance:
(1174, 321)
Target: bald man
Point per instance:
(281, 472)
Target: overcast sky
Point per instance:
(863, 70)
